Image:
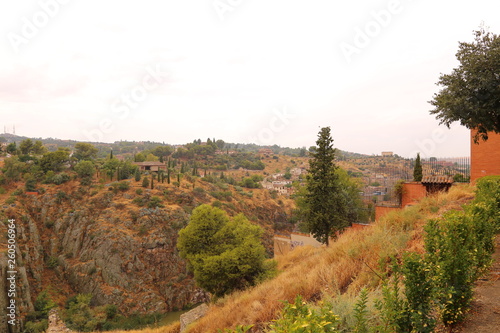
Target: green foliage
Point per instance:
(225, 254)
(145, 182)
(26, 147)
(329, 200)
(13, 169)
(43, 304)
(54, 161)
(417, 170)
(60, 178)
(137, 175)
(361, 313)
(419, 293)
(399, 191)
(472, 91)
(155, 201)
(52, 262)
(85, 151)
(301, 317)
(85, 169)
(30, 185)
(393, 308)
(79, 315)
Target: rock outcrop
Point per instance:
(192, 316)
(56, 325)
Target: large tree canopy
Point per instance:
(224, 254)
(471, 93)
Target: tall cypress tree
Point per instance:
(326, 208)
(417, 170)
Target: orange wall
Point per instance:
(382, 210)
(485, 156)
(412, 192)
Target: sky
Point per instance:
(244, 71)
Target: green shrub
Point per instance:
(302, 317)
(52, 262)
(154, 202)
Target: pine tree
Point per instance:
(111, 155)
(417, 170)
(325, 201)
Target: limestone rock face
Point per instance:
(120, 253)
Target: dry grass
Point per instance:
(336, 273)
(342, 269)
(172, 328)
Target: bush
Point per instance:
(302, 317)
(155, 201)
(225, 254)
(61, 178)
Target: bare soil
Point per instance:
(484, 316)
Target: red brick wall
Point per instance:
(412, 192)
(382, 210)
(485, 156)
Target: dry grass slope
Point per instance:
(344, 268)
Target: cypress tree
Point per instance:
(326, 210)
(417, 171)
(137, 175)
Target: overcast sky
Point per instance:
(262, 71)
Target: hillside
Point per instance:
(117, 240)
(335, 274)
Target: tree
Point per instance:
(85, 151)
(224, 254)
(111, 166)
(54, 161)
(11, 148)
(85, 169)
(163, 151)
(471, 93)
(220, 144)
(13, 169)
(39, 148)
(417, 170)
(137, 175)
(325, 201)
(26, 147)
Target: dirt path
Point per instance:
(485, 314)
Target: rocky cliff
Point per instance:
(112, 244)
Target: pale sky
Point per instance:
(261, 71)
